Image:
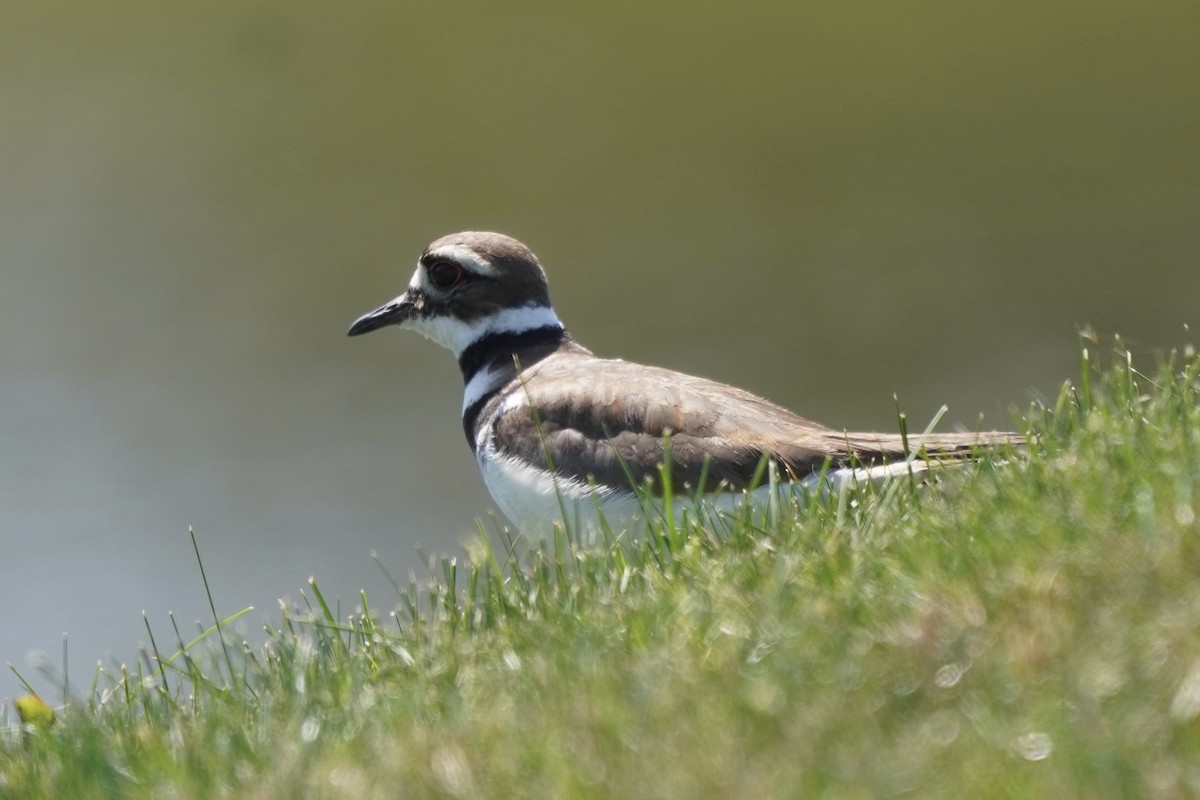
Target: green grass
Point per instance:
(1026, 630)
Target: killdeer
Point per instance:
(562, 435)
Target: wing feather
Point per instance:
(607, 419)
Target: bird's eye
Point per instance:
(444, 274)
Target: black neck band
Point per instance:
(496, 345)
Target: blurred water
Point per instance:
(824, 204)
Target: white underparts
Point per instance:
(535, 500)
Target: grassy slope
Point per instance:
(1024, 631)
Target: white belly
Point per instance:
(534, 500)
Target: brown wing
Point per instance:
(607, 420)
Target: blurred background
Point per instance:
(827, 204)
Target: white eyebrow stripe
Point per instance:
(464, 255)
(459, 254)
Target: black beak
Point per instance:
(394, 313)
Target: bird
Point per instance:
(565, 437)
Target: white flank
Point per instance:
(535, 500)
(896, 469)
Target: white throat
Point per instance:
(457, 335)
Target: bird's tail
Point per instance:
(877, 456)
(874, 447)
